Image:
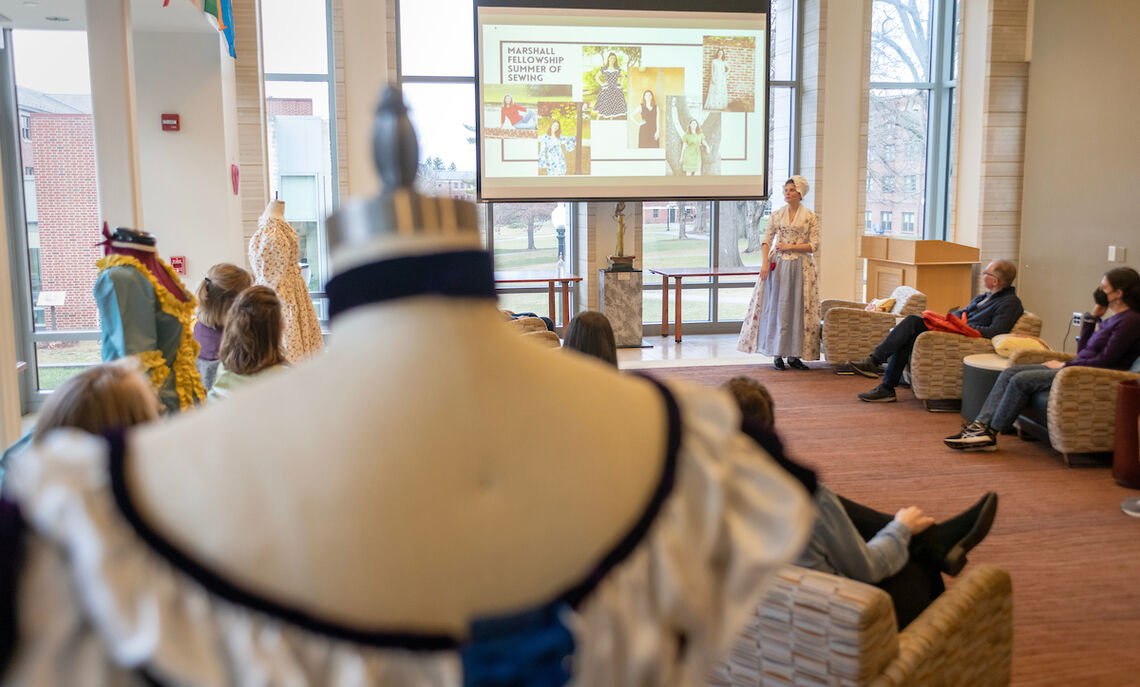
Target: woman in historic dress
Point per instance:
(518, 116)
(611, 100)
(783, 317)
(647, 136)
(717, 98)
(550, 154)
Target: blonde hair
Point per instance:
(101, 398)
(217, 293)
(251, 340)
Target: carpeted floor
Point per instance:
(1074, 556)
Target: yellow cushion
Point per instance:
(1006, 344)
(880, 305)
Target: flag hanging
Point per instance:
(223, 11)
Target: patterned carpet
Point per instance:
(1074, 557)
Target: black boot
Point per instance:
(778, 363)
(961, 533)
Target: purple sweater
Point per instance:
(209, 339)
(1114, 346)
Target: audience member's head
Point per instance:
(99, 399)
(1128, 281)
(590, 333)
(1004, 271)
(221, 286)
(251, 341)
(754, 400)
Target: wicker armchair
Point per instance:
(1078, 414)
(851, 333)
(820, 629)
(936, 362)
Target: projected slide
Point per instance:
(594, 104)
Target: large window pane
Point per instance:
(294, 36)
(783, 40)
(780, 140)
(300, 165)
(676, 234)
(695, 304)
(900, 41)
(437, 38)
(58, 361)
(528, 236)
(896, 151)
(61, 200)
(444, 117)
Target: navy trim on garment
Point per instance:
(241, 596)
(464, 274)
(11, 565)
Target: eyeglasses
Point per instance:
(990, 274)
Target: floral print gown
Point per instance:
(274, 257)
(550, 155)
(803, 228)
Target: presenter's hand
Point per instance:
(764, 272)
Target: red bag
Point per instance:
(937, 322)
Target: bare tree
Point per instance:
(524, 213)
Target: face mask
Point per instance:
(1100, 298)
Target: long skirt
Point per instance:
(781, 323)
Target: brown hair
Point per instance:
(101, 398)
(754, 400)
(217, 293)
(251, 340)
(590, 333)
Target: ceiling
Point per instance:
(181, 16)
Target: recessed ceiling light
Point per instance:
(54, 18)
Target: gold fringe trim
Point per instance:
(153, 365)
(187, 383)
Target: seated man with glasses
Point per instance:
(991, 313)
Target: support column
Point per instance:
(110, 50)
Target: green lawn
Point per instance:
(71, 357)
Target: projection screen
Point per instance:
(647, 101)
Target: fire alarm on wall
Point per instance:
(178, 264)
(170, 122)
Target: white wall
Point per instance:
(1082, 155)
(971, 90)
(187, 196)
(837, 185)
(365, 74)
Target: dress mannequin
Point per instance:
(274, 259)
(387, 500)
(145, 312)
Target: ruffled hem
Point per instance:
(662, 615)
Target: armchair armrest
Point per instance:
(1030, 357)
(829, 303)
(1082, 408)
(936, 363)
(967, 632)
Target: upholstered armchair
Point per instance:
(851, 333)
(820, 629)
(936, 363)
(1078, 414)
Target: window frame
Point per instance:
(329, 79)
(941, 91)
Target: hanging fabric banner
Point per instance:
(223, 11)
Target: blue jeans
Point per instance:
(1014, 387)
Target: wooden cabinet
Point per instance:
(942, 270)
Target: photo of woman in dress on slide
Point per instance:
(647, 136)
(551, 156)
(694, 141)
(611, 100)
(717, 97)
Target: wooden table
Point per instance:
(550, 278)
(677, 274)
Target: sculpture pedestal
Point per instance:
(619, 294)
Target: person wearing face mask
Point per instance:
(990, 313)
(1112, 344)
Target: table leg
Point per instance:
(664, 306)
(677, 310)
(565, 306)
(550, 304)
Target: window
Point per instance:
(908, 222)
(913, 79)
(886, 222)
(300, 124)
(26, 127)
(869, 225)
